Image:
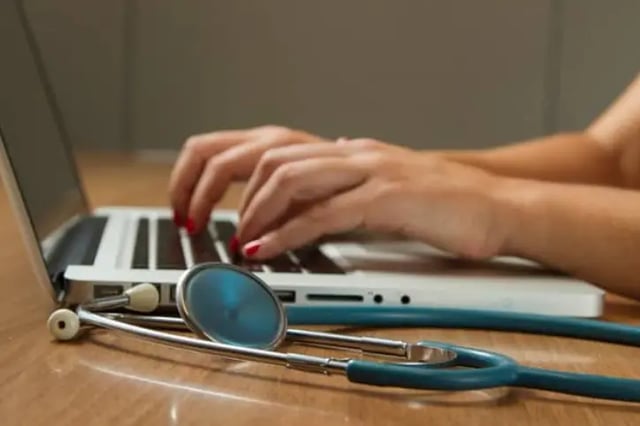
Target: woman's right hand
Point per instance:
(209, 162)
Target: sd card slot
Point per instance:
(286, 296)
(316, 297)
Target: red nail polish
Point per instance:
(191, 226)
(233, 244)
(251, 248)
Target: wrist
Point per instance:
(517, 205)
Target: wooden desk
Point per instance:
(113, 379)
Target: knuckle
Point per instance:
(368, 143)
(325, 211)
(328, 219)
(268, 128)
(215, 165)
(269, 161)
(195, 144)
(281, 136)
(392, 191)
(286, 175)
(274, 131)
(319, 213)
(386, 192)
(374, 160)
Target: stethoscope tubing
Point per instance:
(480, 369)
(490, 369)
(391, 316)
(484, 369)
(580, 384)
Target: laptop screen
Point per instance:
(32, 132)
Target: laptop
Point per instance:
(80, 253)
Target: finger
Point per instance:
(368, 145)
(274, 158)
(308, 180)
(233, 163)
(207, 192)
(190, 163)
(342, 213)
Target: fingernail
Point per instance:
(177, 219)
(233, 244)
(342, 140)
(191, 226)
(251, 248)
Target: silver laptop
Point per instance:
(81, 253)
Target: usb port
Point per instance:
(100, 291)
(286, 296)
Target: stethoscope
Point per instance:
(236, 315)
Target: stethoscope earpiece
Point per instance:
(63, 324)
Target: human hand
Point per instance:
(298, 194)
(208, 163)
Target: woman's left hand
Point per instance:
(298, 194)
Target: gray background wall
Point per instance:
(147, 74)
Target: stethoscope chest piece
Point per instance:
(226, 304)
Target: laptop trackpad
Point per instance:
(417, 258)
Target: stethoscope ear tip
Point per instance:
(63, 324)
(143, 298)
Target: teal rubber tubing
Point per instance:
(589, 385)
(464, 318)
(489, 370)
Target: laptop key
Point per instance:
(141, 249)
(283, 263)
(313, 260)
(92, 230)
(251, 266)
(203, 248)
(226, 230)
(170, 254)
(248, 264)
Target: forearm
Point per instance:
(592, 233)
(606, 153)
(568, 157)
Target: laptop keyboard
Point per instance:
(213, 247)
(141, 250)
(78, 246)
(169, 252)
(204, 249)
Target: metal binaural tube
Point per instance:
(294, 361)
(365, 344)
(171, 323)
(369, 345)
(105, 303)
(416, 353)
